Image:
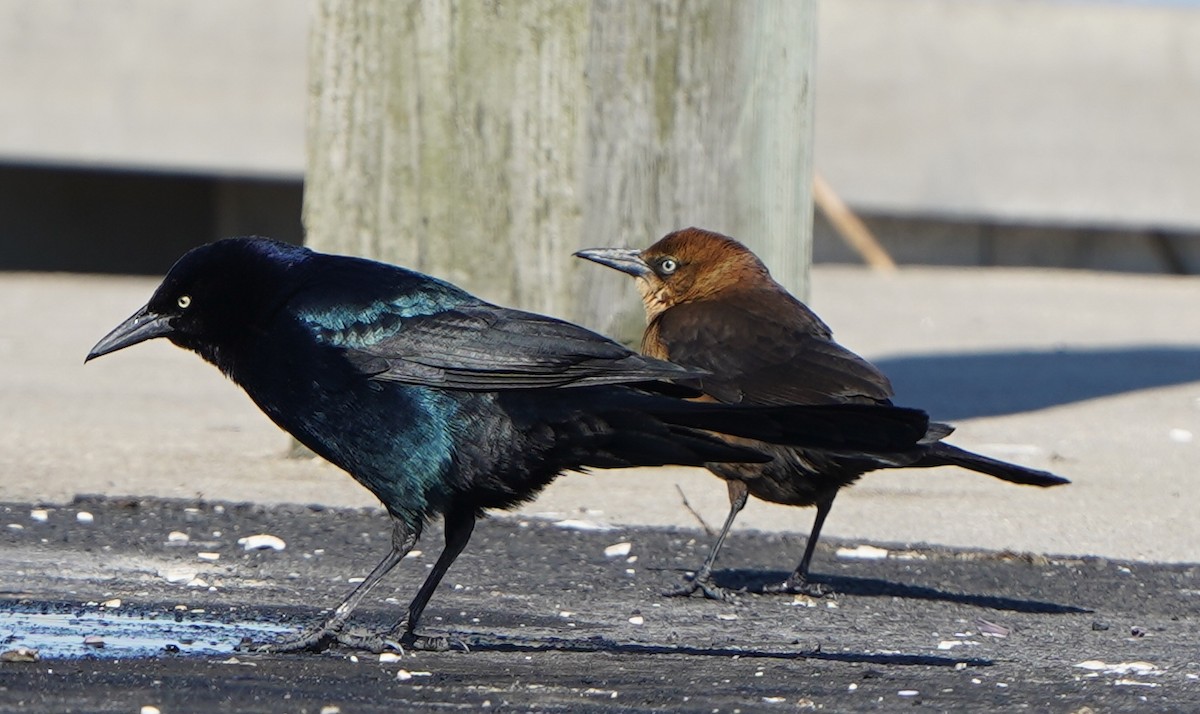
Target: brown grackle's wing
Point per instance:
(764, 347)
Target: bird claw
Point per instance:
(321, 638)
(431, 643)
(798, 586)
(374, 642)
(317, 639)
(702, 584)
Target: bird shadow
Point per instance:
(496, 643)
(965, 385)
(755, 581)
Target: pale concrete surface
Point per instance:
(213, 87)
(1095, 376)
(1041, 111)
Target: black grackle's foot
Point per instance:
(704, 585)
(316, 639)
(367, 641)
(431, 643)
(320, 639)
(795, 585)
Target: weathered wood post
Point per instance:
(484, 142)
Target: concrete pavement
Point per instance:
(1094, 376)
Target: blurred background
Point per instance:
(963, 132)
(483, 141)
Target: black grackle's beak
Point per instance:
(626, 260)
(141, 326)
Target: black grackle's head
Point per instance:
(210, 298)
(684, 266)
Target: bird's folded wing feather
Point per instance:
(757, 353)
(486, 347)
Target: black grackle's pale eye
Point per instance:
(666, 266)
(184, 301)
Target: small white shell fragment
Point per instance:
(951, 644)
(84, 517)
(1182, 436)
(403, 675)
(907, 693)
(111, 604)
(863, 552)
(637, 620)
(773, 700)
(177, 537)
(1096, 665)
(388, 657)
(20, 654)
(991, 629)
(852, 687)
(150, 709)
(727, 616)
(177, 573)
(262, 541)
(573, 524)
(16, 526)
(93, 641)
(618, 550)
(205, 555)
(40, 515)
(409, 554)
(331, 709)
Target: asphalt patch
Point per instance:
(143, 603)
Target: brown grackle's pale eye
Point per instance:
(666, 266)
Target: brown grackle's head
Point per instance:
(685, 266)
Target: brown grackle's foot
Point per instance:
(704, 585)
(797, 585)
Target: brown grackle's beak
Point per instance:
(626, 260)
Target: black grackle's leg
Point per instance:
(460, 524)
(322, 636)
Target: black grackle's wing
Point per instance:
(764, 347)
(479, 346)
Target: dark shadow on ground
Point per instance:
(602, 644)
(961, 386)
(753, 581)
